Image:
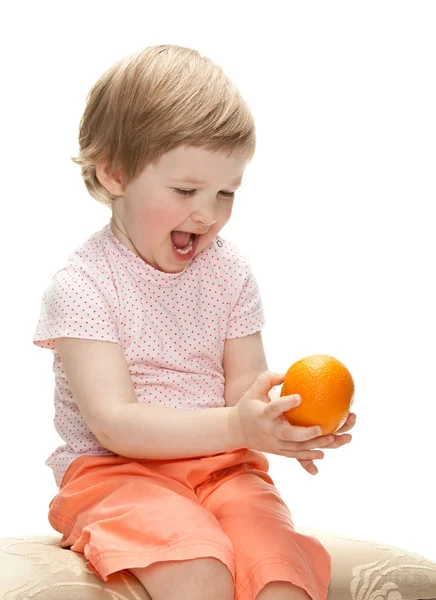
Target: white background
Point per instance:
(335, 213)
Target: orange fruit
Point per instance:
(326, 389)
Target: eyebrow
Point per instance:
(193, 180)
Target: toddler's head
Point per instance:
(155, 122)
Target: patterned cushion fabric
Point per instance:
(37, 567)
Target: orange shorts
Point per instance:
(124, 513)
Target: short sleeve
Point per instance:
(78, 303)
(247, 314)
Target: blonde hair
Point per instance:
(153, 101)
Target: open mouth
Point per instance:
(184, 244)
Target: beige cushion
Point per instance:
(37, 567)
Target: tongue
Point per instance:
(180, 238)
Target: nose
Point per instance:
(206, 214)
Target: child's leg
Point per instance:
(269, 552)
(200, 578)
(282, 590)
(123, 513)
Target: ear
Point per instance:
(110, 181)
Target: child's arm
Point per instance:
(244, 360)
(99, 379)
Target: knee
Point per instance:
(196, 579)
(211, 575)
(282, 589)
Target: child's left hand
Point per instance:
(340, 440)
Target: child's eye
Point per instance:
(184, 192)
(190, 192)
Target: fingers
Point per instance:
(273, 394)
(279, 405)
(309, 455)
(309, 466)
(349, 423)
(304, 438)
(283, 430)
(320, 442)
(294, 441)
(339, 440)
(266, 381)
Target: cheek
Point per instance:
(157, 220)
(227, 212)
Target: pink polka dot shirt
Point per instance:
(171, 326)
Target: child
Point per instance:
(162, 391)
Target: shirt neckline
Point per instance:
(142, 268)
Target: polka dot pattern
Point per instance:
(171, 326)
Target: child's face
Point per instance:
(151, 208)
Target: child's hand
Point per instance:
(338, 441)
(257, 422)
